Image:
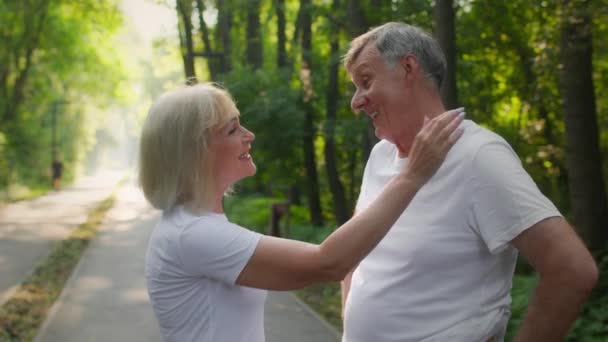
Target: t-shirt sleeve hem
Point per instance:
(248, 253)
(501, 242)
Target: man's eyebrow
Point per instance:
(358, 69)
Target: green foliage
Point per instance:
(253, 212)
(269, 108)
(523, 286)
(72, 68)
(592, 324)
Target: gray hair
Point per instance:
(395, 40)
(174, 148)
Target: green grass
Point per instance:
(22, 193)
(22, 315)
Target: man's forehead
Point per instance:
(366, 58)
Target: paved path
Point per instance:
(30, 229)
(106, 299)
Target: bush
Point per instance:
(253, 212)
(592, 324)
(523, 286)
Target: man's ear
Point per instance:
(409, 63)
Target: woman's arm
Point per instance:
(282, 264)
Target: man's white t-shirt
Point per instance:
(192, 264)
(444, 271)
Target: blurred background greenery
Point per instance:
(77, 76)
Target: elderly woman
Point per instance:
(207, 276)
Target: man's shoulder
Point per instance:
(475, 137)
(382, 152)
(383, 147)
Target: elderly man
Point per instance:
(444, 272)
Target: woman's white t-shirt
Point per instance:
(192, 264)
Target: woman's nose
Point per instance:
(249, 136)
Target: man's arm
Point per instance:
(567, 274)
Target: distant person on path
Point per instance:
(205, 275)
(57, 171)
(444, 272)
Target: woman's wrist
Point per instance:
(409, 180)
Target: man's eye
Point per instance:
(232, 130)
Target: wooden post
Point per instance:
(278, 210)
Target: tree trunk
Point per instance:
(224, 25)
(211, 62)
(587, 188)
(281, 37)
(254, 38)
(446, 35)
(357, 22)
(314, 200)
(184, 11)
(357, 25)
(335, 185)
(34, 26)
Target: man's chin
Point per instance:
(379, 134)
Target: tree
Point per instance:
(208, 51)
(184, 11)
(587, 187)
(17, 59)
(254, 35)
(446, 35)
(357, 25)
(310, 162)
(281, 37)
(335, 184)
(224, 26)
(53, 52)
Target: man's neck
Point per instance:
(429, 105)
(430, 102)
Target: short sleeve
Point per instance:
(216, 248)
(363, 191)
(505, 201)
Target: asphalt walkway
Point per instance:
(29, 230)
(105, 299)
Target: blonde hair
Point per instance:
(395, 40)
(174, 145)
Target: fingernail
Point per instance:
(462, 114)
(460, 109)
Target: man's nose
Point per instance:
(357, 103)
